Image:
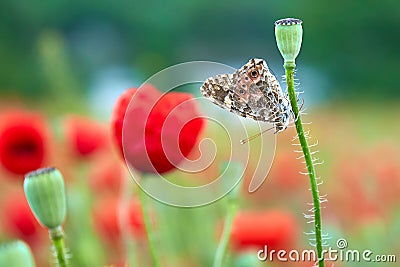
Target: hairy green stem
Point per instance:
(149, 228)
(307, 156)
(57, 236)
(223, 243)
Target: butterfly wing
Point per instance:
(221, 91)
(251, 92)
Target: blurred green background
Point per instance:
(63, 57)
(350, 49)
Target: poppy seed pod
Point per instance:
(289, 34)
(45, 192)
(16, 254)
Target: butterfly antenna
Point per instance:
(244, 141)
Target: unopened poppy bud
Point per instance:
(289, 34)
(16, 254)
(45, 192)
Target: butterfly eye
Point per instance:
(241, 91)
(254, 74)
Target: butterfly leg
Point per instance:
(295, 118)
(302, 103)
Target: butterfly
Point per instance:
(251, 92)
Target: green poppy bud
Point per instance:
(45, 192)
(16, 254)
(289, 34)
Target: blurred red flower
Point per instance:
(106, 175)
(160, 130)
(384, 161)
(23, 141)
(135, 219)
(367, 182)
(255, 229)
(18, 219)
(106, 219)
(285, 171)
(388, 178)
(85, 136)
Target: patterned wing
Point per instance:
(252, 92)
(220, 90)
(253, 85)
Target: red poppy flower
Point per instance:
(384, 162)
(18, 219)
(106, 219)
(23, 141)
(159, 130)
(135, 219)
(361, 180)
(285, 171)
(276, 229)
(106, 175)
(388, 177)
(85, 136)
